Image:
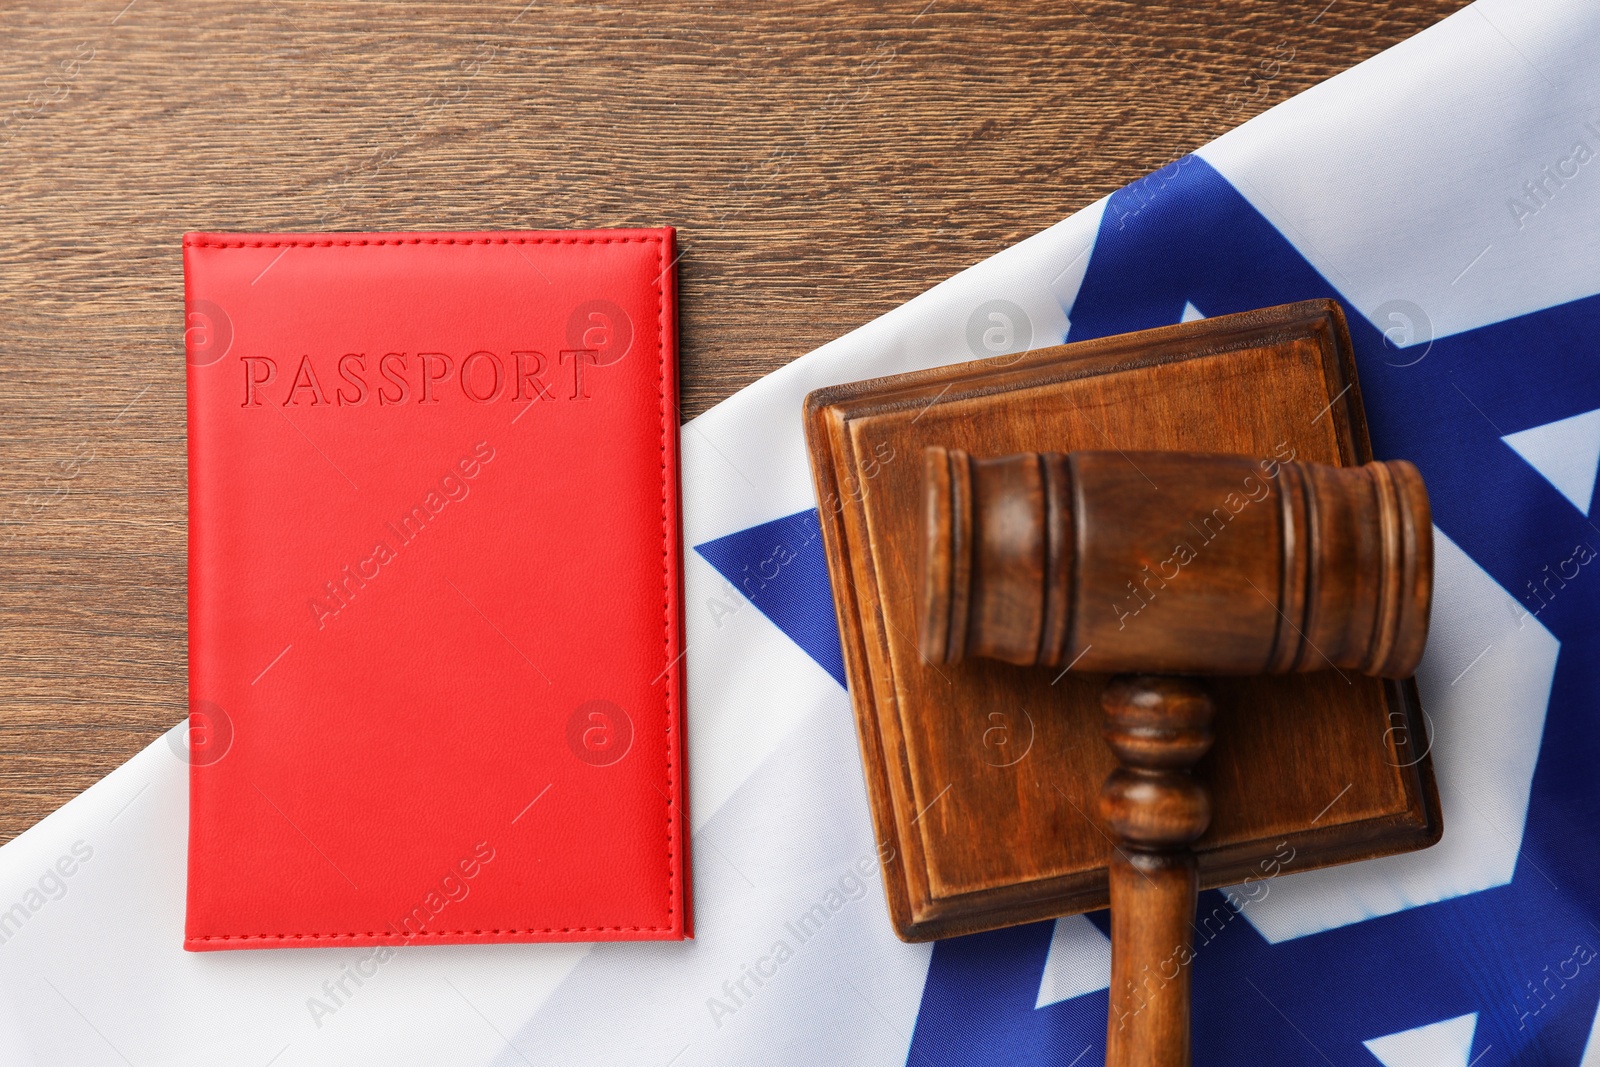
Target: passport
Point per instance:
(435, 618)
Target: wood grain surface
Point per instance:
(824, 161)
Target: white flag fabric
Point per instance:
(1447, 193)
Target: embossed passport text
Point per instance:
(435, 667)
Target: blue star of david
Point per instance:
(1313, 1000)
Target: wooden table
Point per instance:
(823, 165)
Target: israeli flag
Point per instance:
(1447, 193)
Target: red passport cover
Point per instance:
(435, 666)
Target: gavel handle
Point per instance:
(1158, 727)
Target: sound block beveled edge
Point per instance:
(915, 913)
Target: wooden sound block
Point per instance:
(983, 776)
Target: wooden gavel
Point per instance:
(1169, 564)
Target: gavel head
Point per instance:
(1174, 562)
